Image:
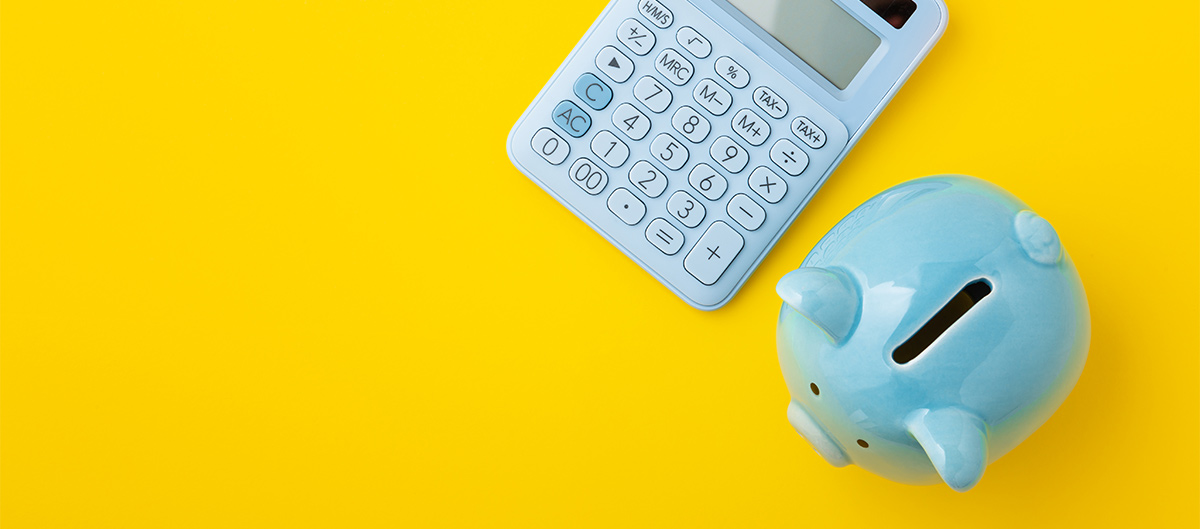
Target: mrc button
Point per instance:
(656, 13)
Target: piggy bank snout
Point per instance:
(816, 436)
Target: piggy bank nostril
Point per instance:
(814, 388)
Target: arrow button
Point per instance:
(616, 65)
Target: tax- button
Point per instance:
(572, 119)
(616, 65)
(713, 253)
(674, 67)
(593, 91)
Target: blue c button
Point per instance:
(593, 91)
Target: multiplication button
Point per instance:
(626, 206)
(664, 236)
(768, 185)
(713, 253)
(614, 64)
(635, 36)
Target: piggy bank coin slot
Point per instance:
(950, 313)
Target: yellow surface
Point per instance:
(267, 264)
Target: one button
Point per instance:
(708, 181)
(712, 97)
(732, 72)
(691, 124)
(674, 67)
(745, 211)
(770, 102)
(614, 64)
(635, 36)
(610, 148)
(626, 206)
(713, 253)
(550, 146)
(593, 91)
(750, 127)
(631, 121)
(693, 42)
(808, 132)
(588, 176)
(686, 209)
(653, 94)
(648, 178)
(729, 154)
(572, 119)
(669, 151)
(768, 185)
(656, 13)
(664, 236)
(789, 157)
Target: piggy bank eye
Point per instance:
(814, 388)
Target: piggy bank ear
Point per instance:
(825, 296)
(955, 441)
(1037, 238)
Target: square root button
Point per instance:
(713, 253)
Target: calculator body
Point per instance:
(691, 137)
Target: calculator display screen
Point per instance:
(818, 31)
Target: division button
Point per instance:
(664, 236)
(635, 36)
(626, 206)
(745, 211)
(713, 253)
(789, 157)
(616, 65)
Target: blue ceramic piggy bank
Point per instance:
(931, 331)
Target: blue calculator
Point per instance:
(691, 133)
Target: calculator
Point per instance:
(691, 133)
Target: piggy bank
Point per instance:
(931, 331)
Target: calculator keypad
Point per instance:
(707, 169)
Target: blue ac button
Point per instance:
(572, 119)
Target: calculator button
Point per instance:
(616, 65)
(656, 13)
(593, 92)
(789, 157)
(745, 211)
(732, 72)
(708, 181)
(669, 151)
(770, 102)
(648, 178)
(664, 236)
(588, 176)
(626, 206)
(691, 124)
(631, 121)
(674, 67)
(572, 119)
(653, 94)
(712, 97)
(768, 185)
(729, 154)
(750, 127)
(693, 42)
(808, 132)
(550, 146)
(610, 148)
(713, 253)
(686, 209)
(635, 36)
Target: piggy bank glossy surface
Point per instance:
(931, 331)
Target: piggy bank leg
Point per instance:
(955, 441)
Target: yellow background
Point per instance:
(268, 264)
